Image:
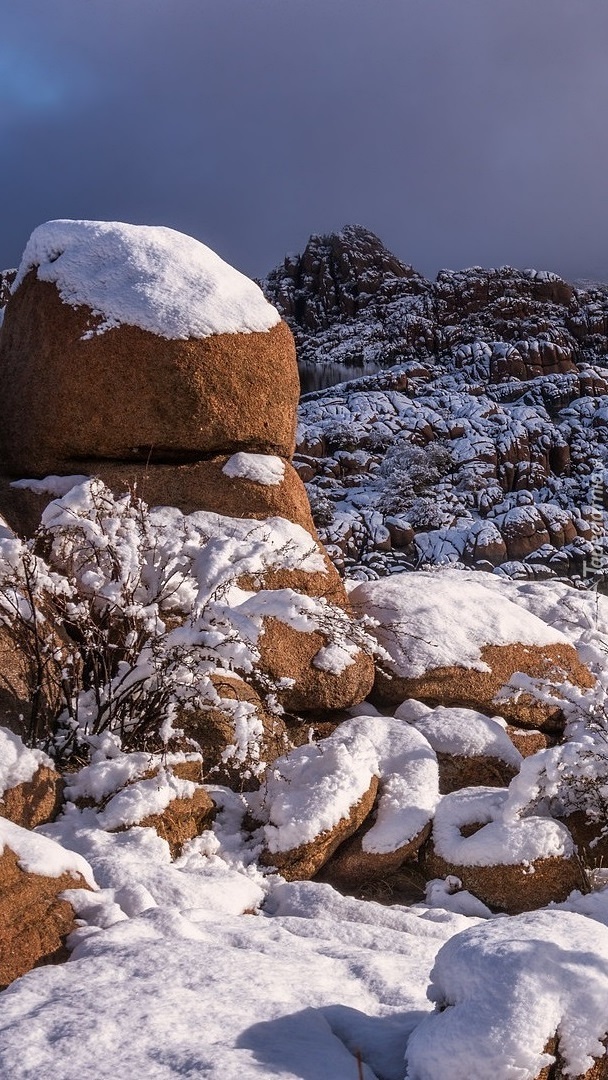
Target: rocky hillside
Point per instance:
(484, 441)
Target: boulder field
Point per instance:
(434, 740)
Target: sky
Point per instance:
(462, 132)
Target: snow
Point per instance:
(503, 840)
(196, 994)
(313, 788)
(266, 469)
(409, 781)
(56, 486)
(444, 618)
(110, 770)
(142, 798)
(448, 893)
(147, 276)
(505, 988)
(37, 854)
(461, 731)
(18, 764)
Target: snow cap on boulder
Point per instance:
(147, 276)
(452, 641)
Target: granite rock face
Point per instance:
(501, 371)
(128, 395)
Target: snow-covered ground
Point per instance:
(208, 966)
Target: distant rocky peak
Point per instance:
(339, 275)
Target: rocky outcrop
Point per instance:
(134, 354)
(502, 367)
(31, 790)
(313, 679)
(34, 919)
(338, 277)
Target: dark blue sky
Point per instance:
(461, 131)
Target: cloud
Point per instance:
(462, 131)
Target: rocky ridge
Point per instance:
(472, 428)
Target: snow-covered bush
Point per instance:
(149, 607)
(322, 509)
(410, 471)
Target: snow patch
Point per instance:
(266, 469)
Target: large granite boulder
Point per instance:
(451, 641)
(137, 344)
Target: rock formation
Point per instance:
(503, 370)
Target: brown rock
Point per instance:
(19, 681)
(528, 742)
(303, 862)
(350, 867)
(186, 399)
(199, 485)
(524, 531)
(286, 653)
(592, 845)
(472, 689)
(214, 731)
(459, 771)
(182, 820)
(34, 922)
(513, 888)
(34, 802)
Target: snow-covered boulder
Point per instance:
(157, 791)
(177, 809)
(472, 749)
(30, 787)
(407, 796)
(34, 919)
(513, 864)
(454, 642)
(512, 998)
(313, 799)
(138, 344)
